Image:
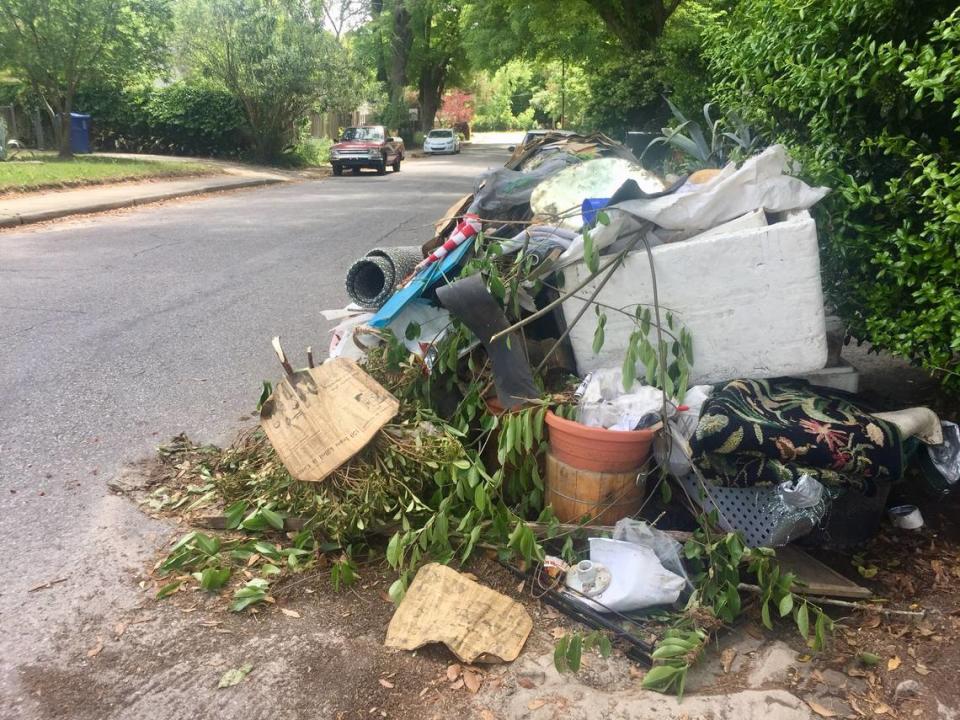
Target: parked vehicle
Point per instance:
(367, 146)
(441, 140)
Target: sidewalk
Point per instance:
(40, 206)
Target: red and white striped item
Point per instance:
(466, 229)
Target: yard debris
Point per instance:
(475, 622)
(319, 418)
(436, 427)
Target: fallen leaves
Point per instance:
(386, 683)
(726, 659)
(536, 704)
(820, 709)
(893, 663)
(472, 680)
(95, 650)
(453, 672)
(234, 676)
(290, 613)
(526, 683)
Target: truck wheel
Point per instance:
(382, 167)
(396, 164)
(338, 170)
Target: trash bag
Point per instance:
(606, 404)
(664, 547)
(671, 448)
(941, 463)
(501, 189)
(637, 577)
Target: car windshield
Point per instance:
(363, 133)
(441, 134)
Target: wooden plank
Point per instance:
(817, 578)
(319, 418)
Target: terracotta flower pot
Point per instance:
(597, 449)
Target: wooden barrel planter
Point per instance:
(602, 497)
(594, 472)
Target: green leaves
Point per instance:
(598, 333)
(234, 676)
(212, 579)
(254, 592)
(803, 621)
(568, 652)
(168, 589)
(591, 256)
(867, 104)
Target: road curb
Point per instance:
(9, 221)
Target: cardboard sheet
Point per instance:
(319, 418)
(475, 622)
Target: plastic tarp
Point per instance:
(760, 182)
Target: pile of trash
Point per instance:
(577, 330)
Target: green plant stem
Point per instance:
(613, 267)
(865, 607)
(562, 299)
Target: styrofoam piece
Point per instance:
(839, 377)
(751, 300)
(747, 221)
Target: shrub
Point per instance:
(867, 96)
(181, 119)
(309, 152)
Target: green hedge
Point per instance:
(866, 94)
(178, 119)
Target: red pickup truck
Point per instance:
(367, 146)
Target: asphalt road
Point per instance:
(119, 331)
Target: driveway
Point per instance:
(120, 331)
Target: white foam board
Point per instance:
(752, 301)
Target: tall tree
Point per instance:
(437, 59)
(55, 45)
(274, 56)
(417, 42)
(635, 23)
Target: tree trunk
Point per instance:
(432, 83)
(429, 105)
(399, 52)
(66, 152)
(635, 23)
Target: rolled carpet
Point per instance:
(371, 280)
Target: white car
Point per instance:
(441, 141)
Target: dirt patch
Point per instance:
(329, 662)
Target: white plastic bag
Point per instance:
(638, 580)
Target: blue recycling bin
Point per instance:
(79, 133)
